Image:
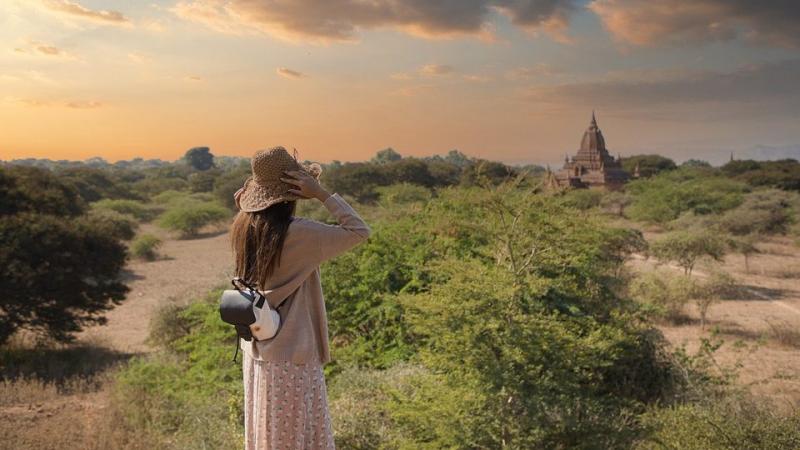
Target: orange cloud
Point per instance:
(436, 69)
(289, 73)
(77, 10)
(643, 22)
(340, 20)
(72, 104)
(40, 49)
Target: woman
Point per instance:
(284, 387)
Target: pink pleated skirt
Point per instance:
(285, 406)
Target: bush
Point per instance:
(189, 395)
(403, 193)
(583, 198)
(721, 425)
(145, 247)
(131, 207)
(664, 294)
(122, 226)
(189, 218)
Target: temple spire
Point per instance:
(594, 121)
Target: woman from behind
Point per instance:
(284, 387)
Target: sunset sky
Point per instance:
(510, 80)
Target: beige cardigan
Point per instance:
(303, 335)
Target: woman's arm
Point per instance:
(333, 240)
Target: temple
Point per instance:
(592, 166)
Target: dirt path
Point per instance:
(188, 268)
(39, 417)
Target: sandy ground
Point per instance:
(770, 298)
(188, 268)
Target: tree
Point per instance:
(59, 269)
(199, 158)
(386, 155)
(649, 165)
(685, 247)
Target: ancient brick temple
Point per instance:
(591, 166)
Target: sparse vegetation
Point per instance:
(146, 247)
(189, 218)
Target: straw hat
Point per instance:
(264, 187)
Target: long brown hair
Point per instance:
(257, 241)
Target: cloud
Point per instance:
(748, 86)
(36, 48)
(680, 22)
(289, 73)
(340, 20)
(532, 72)
(75, 9)
(436, 70)
(72, 104)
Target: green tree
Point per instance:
(685, 247)
(189, 217)
(199, 158)
(386, 155)
(649, 165)
(59, 269)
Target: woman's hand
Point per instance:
(306, 186)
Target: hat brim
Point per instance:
(254, 196)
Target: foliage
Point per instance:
(121, 226)
(202, 181)
(782, 174)
(664, 294)
(199, 158)
(685, 247)
(228, 183)
(403, 193)
(188, 218)
(649, 165)
(78, 283)
(29, 189)
(664, 197)
(95, 184)
(146, 246)
(583, 198)
(766, 211)
(174, 396)
(729, 424)
(59, 268)
(132, 208)
(719, 285)
(386, 155)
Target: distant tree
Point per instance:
(385, 156)
(356, 179)
(95, 184)
(782, 174)
(483, 172)
(203, 181)
(719, 285)
(695, 163)
(444, 173)
(745, 246)
(458, 158)
(228, 183)
(30, 189)
(200, 158)
(408, 170)
(685, 247)
(649, 165)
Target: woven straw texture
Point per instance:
(265, 188)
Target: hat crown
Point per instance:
(268, 165)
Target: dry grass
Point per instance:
(784, 334)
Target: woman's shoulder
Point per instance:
(303, 224)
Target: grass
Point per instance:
(784, 334)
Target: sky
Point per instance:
(508, 80)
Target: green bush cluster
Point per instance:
(133, 208)
(188, 218)
(146, 247)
